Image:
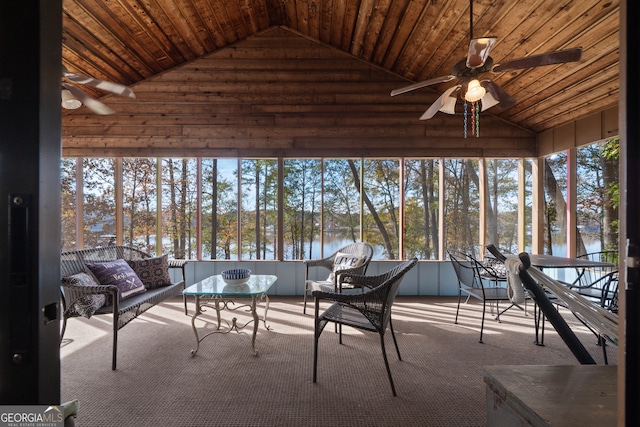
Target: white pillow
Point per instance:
(344, 261)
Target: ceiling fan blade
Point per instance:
(441, 104)
(549, 58)
(112, 87)
(479, 51)
(91, 103)
(504, 99)
(442, 79)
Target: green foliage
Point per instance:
(99, 206)
(346, 200)
(68, 205)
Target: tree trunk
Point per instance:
(214, 209)
(257, 219)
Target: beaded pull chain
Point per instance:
(473, 118)
(465, 120)
(477, 108)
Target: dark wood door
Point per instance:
(30, 117)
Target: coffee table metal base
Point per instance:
(219, 303)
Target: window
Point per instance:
(140, 203)
(179, 208)
(259, 211)
(502, 204)
(596, 194)
(341, 203)
(219, 209)
(381, 196)
(99, 206)
(421, 201)
(555, 207)
(302, 209)
(68, 214)
(461, 204)
(238, 208)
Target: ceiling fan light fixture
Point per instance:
(449, 106)
(475, 91)
(69, 102)
(488, 101)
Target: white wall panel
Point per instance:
(428, 278)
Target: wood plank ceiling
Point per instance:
(131, 41)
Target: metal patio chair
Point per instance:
(472, 276)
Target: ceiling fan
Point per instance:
(73, 97)
(482, 94)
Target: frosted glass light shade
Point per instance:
(69, 102)
(475, 91)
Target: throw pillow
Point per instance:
(343, 261)
(120, 274)
(87, 305)
(153, 272)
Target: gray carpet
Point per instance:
(439, 381)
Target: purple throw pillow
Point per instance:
(120, 274)
(153, 272)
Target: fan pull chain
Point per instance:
(473, 118)
(465, 119)
(477, 108)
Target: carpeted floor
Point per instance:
(439, 381)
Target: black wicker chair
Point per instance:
(369, 311)
(359, 249)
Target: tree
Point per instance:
(178, 187)
(68, 206)
(301, 200)
(461, 211)
(611, 182)
(502, 202)
(139, 202)
(381, 198)
(342, 200)
(421, 209)
(99, 201)
(555, 208)
(260, 178)
(219, 209)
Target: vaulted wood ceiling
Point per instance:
(131, 41)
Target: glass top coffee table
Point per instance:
(215, 293)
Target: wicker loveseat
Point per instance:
(122, 310)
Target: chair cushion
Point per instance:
(118, 273)
(87, 305)
(153, 272)
(343, 261)
(319, 285)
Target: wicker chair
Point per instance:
(369, 311)
(362, 250)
